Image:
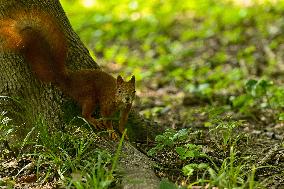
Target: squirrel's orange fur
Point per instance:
(38, 37)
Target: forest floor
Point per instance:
(203, 135)
(210, 73)
(204, 145)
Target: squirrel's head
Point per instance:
(125, 90)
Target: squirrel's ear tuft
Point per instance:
(119, 79)
(132, 80)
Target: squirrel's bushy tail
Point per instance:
(39, 38)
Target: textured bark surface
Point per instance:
(17, 81)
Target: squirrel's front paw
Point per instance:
(113, 135)
(96, 123)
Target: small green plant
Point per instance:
(190, 151)
(223, 129)
(190, 169)
(260, 94)
(166, 184)
(226, 132)
(94, 174)
(97, 175)
(5, 129)
(231, 174)
(281, 116)
(168, 139)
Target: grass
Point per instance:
(231, 174)
(69, 158)
(227, 161)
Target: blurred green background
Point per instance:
(207, 48)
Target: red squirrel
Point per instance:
(38, 37)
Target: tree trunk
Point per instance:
(19, 84)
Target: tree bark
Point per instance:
(18, 83)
